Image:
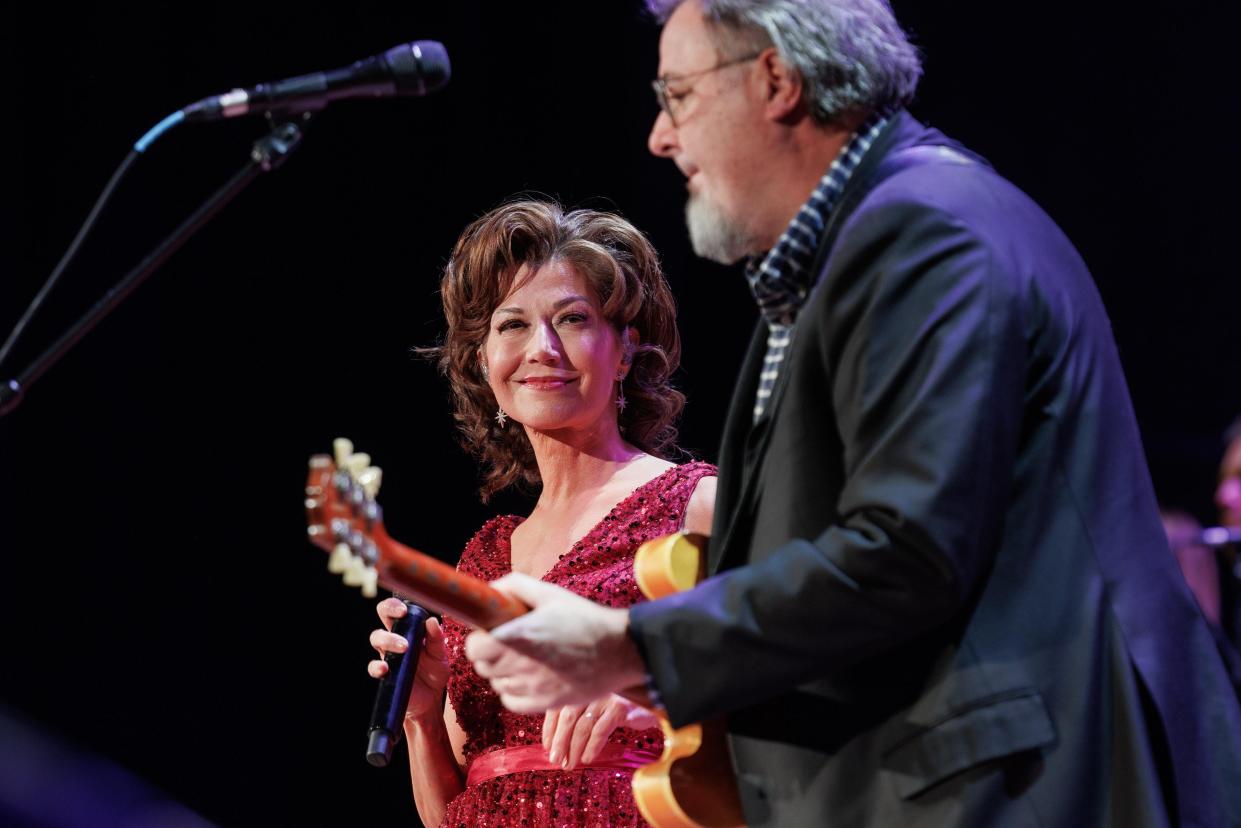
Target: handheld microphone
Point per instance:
(409, 69)
(393, 695)
(1220, 536)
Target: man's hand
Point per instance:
(565, 651)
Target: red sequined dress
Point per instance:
(600, 567)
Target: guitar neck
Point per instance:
(437, 586)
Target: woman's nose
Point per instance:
(544, 345)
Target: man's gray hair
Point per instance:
(851, 54)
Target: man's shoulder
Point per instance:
(915, 164)
(924, 185)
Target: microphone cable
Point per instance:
(92, 217)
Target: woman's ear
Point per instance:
(629, 344)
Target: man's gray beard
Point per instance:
(714, 235)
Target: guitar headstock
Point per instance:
(342, 515)
(343, 519)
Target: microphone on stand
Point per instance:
(409, 69)
(393, 695)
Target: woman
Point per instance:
(561, 341)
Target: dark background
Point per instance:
(159, 605)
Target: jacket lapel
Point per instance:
(737, 429)
(745, 439)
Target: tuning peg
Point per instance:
(370, 478)
(370, 582)
(339, 560)
(355, 573)
(342, 447)
(356, 463)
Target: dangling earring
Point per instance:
(501, 417)
(620, 389)
(626, 359)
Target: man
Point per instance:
(1209, 563)
(1228, 493)
(940, 592)
(1228, 499)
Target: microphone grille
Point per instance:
(419, 67)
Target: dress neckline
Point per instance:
(505, 537)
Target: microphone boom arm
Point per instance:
(267, 154)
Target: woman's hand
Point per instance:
(576, 734)
(426, 696)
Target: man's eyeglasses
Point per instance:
(669, 102)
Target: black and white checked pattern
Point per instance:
(781, 280)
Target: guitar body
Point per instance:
(691, 785)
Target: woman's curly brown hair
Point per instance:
(624, 271)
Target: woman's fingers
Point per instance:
(575, 735)
(433, 671)
(592, 731)
(389, 610)
(566, 718)
(549, 728)
(385, 642)
(433, 640)
(581, 732)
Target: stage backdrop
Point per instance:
(159, 606)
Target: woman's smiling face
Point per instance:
(552, 357)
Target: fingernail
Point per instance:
(551, 757)
(565, 763)
(400, 646)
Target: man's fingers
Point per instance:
(483, 650)
(530, 591)
(377, 669)
(522, 704)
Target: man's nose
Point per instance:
(662, 141)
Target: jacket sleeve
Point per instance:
(921, 341)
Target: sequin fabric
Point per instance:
(600, 567)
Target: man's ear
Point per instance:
(783, 87)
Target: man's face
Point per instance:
(1228, 493)
(715, 139)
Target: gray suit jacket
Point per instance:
(943, 595)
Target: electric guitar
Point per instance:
(690, 786)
